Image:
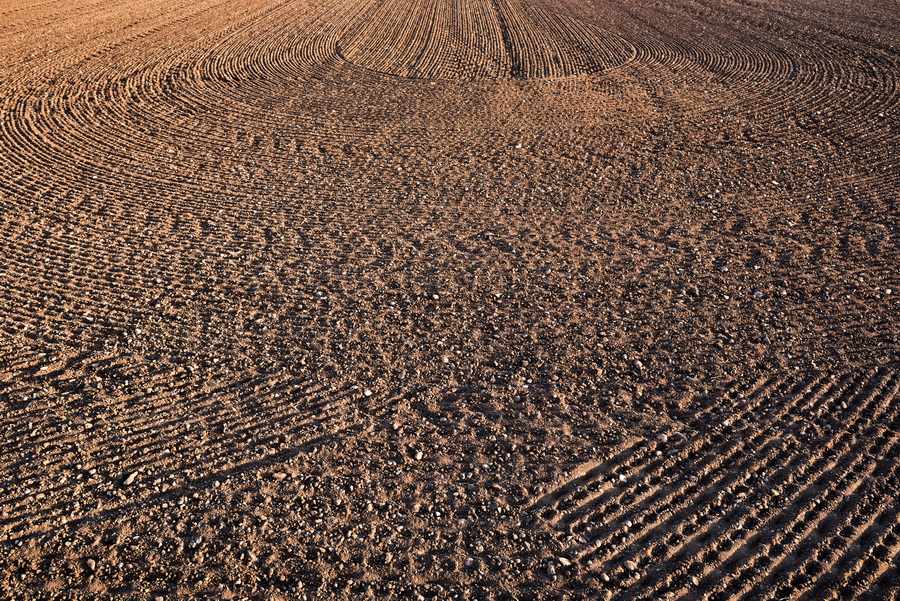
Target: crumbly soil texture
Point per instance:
(450, 299)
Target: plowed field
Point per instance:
(450, 299)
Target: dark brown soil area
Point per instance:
(449, 299)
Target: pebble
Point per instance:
(367, 392)
(631, 566)
(91, 564)
(129, 479)
(279, 475)
(622, 478)
(564, 562)
(419, 455)
(695, 581)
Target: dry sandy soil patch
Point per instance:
(449, 299)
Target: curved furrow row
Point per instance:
(770, 475)
(137, 409)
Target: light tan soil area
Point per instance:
(450, 299)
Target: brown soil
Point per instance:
(451, 299)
